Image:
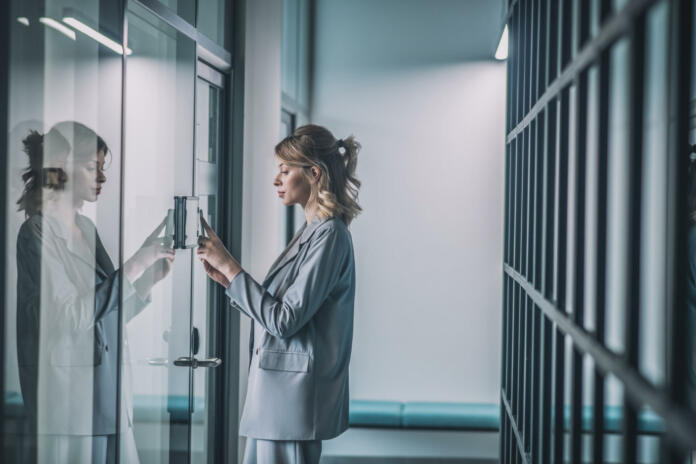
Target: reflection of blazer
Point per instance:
(67, 328)
(298, 374)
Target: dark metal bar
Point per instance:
(549, 200)
(681, 422)
(601, 234)
(5, 43)
(540, 212)
(617, 26)
(579, 261)
(525, 204)
(678, 225)
(634, 176)
(562, 199)
(566, 36)
(533, 427)
(559, 389)
(542, 49)
(529, 337)
(515, 430)
(546, 403)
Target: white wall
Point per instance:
(415, 83)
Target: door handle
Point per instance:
(157, 361)
(185, 361)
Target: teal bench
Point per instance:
(384, 414)
(425, 415)
(474, 416)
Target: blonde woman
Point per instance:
(303, 310)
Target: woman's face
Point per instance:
(88, 176)
(292, 185)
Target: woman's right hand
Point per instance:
(153, 249)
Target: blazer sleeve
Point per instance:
(318, 274)
(70, 308)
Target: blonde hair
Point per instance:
(336, 192)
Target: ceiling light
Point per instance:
(23, 20)
(502, 52)
(98, 36)
(58, 27)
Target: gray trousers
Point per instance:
(281, 452)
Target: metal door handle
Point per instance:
(157, 361)
(195, 363)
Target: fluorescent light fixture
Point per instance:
(58, 27)
(23, 20)
(98, 36)
(502, 52)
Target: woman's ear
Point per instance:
(316, 173)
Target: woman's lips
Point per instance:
(281, 194)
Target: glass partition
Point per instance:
(63, 279)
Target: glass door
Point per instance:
(160, 209)
(209, 111)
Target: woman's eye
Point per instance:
(283, 172)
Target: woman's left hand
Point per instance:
(217, 261)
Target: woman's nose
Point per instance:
(276, 181)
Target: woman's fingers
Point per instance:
(155, 233)
(209, 230)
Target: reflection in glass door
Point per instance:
(159, 109)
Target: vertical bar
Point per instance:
(525, 201)
(579, 274)
(536, 372)
(562, 148)
(546, 391)
(518, 200)
(601, 257)
(539, 201)
(634, 177)
(566, 40)
(680, 98)
(531, 37)
(550, 199)
(5, 36)
(558, 413)
(527, 416)
(542, 50)
(524, 56)
(526, 266)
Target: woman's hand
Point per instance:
(152, 250)
(217, 261)
(153, 274)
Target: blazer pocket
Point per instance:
(284, 361)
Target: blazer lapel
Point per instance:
(302, 236)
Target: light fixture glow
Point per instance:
(58, 27)
(99, 37)
(23, 20)
(502, 52)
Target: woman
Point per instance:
(68, 299)
(303, 311)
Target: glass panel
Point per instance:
(211, 19)
(617, 201)
(184, 8)
(208, 143)
(691, 245)
(654, 246)
(63, 201)
(159, 165)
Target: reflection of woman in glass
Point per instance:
(303, 311)
(68, 299)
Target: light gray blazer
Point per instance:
(298, 372)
